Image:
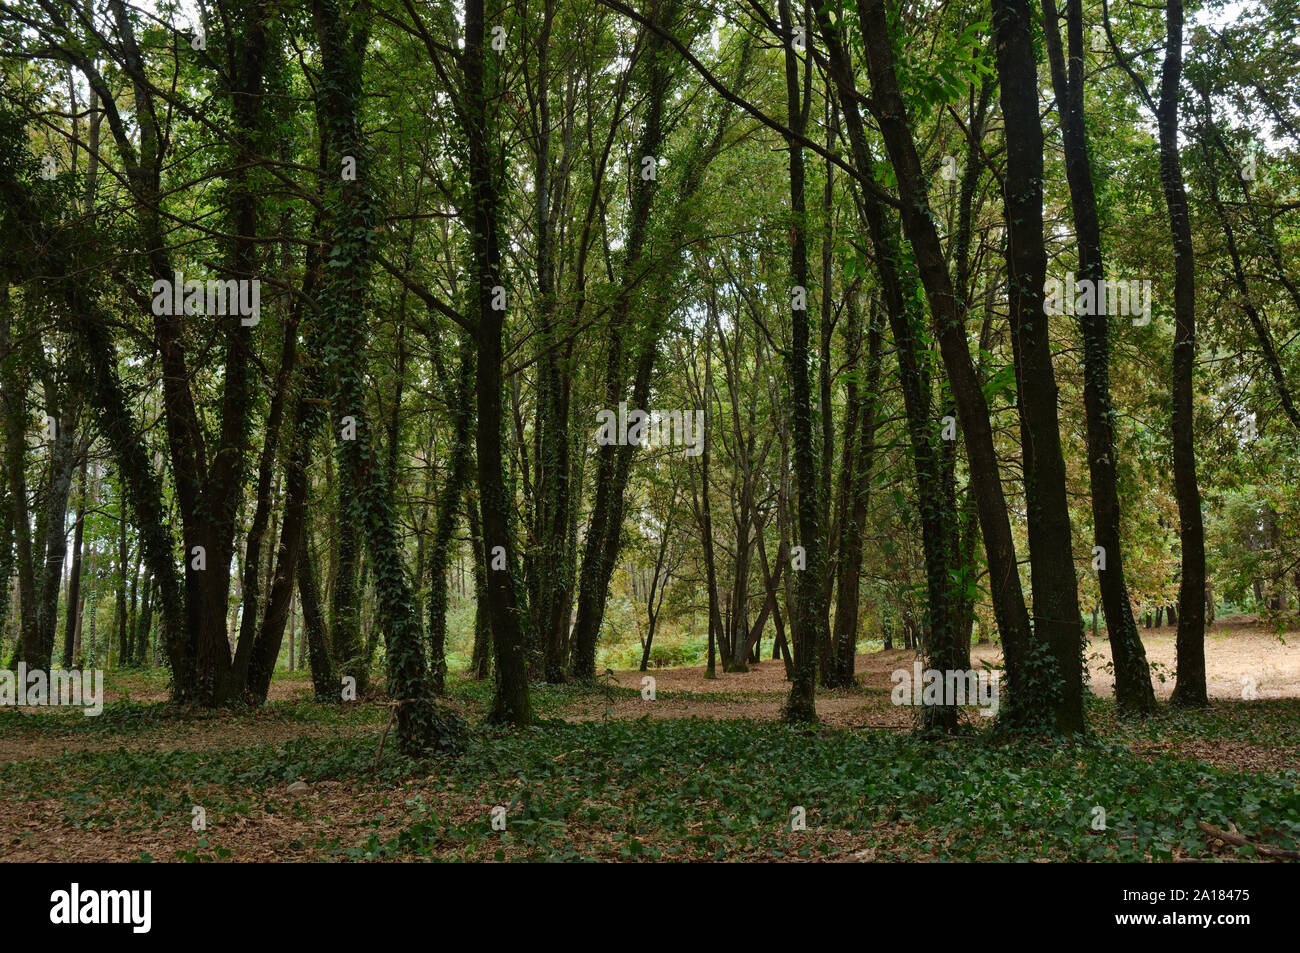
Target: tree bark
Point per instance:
(1056, 616)
(1133, 689)
(849, 565)
(1024, 705)
(74, 577)
(324, 682)
(1189, 687)
(511, 704)
(810, 604)
(64, 450)
(355, 213)
(449, 505)
(938, 522)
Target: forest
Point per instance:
(416, 447)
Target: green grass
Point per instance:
(693, 788)
(1273, 722)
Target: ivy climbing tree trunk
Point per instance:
(899, 296)
(354, 214)
(13, 380)
(1189, 688)
(1056, 592)
(63, 451)
(553, 485)
(865, 398)
(1133, 689)
(449, 506)
(511, 704)
(50, 256)
(323, 681)
(604, 526)
(1026, 682)
(72, 616)
(810, 604)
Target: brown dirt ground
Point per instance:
(1233, 653)
(280, 824)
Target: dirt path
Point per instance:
(1233, 654)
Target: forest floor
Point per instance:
(703, 771)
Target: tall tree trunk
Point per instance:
(849, 564)
(124, 643)
(354, 217)
(249, 629)
(1057, 619)
(1189, 688)
(511, 703)
(324, 683)
(145, 626)
(1133, 689)
(346, 644)
(810, 604)
(604, 527)
(14, 382)
(938, 525)
(64, 450)
(74, 577)
(553, 488)
(480, 666)
(308, 418)
(706, 506)
(1024, 702)
(133, 625)
(825, 404)
(449, 506)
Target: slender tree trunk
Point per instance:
(511, 704)
(706, 506)
(1189, 688)
(1024, 704)
(307, 420)
(480, 666)
(64, 450)
(810, 605)
(938, 524)
(1057, 618)
(249, 628)
(604, 527)
(552, 492)
(324, 682)
(355, 216)
(449, 505)
(14, 382)
(826, 652)
(124, 643)
(1133, 689)
(346, 645)
(74, 577)
(145, 626)
(133, 625)
(855, 518)
(658, 583)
